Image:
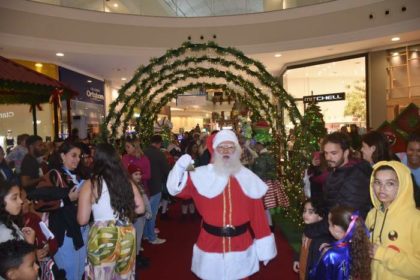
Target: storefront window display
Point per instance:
(339, 88)
(17, 119)
(88, 108)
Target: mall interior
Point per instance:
(358, 59)
(313, 47)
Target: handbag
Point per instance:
(42, 205)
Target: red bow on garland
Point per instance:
(56, 97)
(38, 106)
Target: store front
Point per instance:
(338, 86)
(88, 108)
(25, 90)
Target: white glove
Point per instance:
(184, 161)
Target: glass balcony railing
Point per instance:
(183, 8)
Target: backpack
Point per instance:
(41, 205)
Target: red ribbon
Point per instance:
(38, 106)
(56, 97)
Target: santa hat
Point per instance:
(132, 168)
(225, 135)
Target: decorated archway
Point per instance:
(208, 66)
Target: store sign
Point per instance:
(95, 94)
(90, 90)
(324, 97)
(6, 115)
(191, 100)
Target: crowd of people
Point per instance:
(361, 220)
(72, 210)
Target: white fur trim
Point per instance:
(177, 179)
(251, 184)
(228, 266)
(266, 248)
(225, 135)
(210, 184)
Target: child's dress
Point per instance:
(334, 264)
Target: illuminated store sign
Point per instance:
(90, 90)
(95, 94)
(324, 97)
(6, 115)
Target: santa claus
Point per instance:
(228, 196)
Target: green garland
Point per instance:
(307, 136)
(15, 92)
(194, 66)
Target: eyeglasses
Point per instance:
(222, 148)
(388, 185)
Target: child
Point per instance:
(18, 260)
(135, 173)
(10, 208)
(45, 242)
(347, 258)
(313, 212)
(394, 223)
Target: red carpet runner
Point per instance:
(172, 260)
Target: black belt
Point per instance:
(226, 231)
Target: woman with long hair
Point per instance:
(375, 147)
(114, 201)
(10, 209)
(70, 236)
(348, 257)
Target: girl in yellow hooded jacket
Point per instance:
(394, 223)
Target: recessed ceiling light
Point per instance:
(277, 55)
(89, 81)
(59, 54)
(38, 65)
(123, 79)
(395, 39)
(115, 5)
(395, 54)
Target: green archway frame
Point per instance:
(210, 66)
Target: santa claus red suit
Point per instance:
(235, 235)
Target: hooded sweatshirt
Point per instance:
(396, 230)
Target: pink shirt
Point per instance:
(143, 163)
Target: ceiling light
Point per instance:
(123, 79)
(115, 5)
(38, 65)
(395, 39)
(277, 55)
(59, 54)
(89, 81)
(395, 54)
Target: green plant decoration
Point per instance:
(206, 66)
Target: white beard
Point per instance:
(227, 166)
